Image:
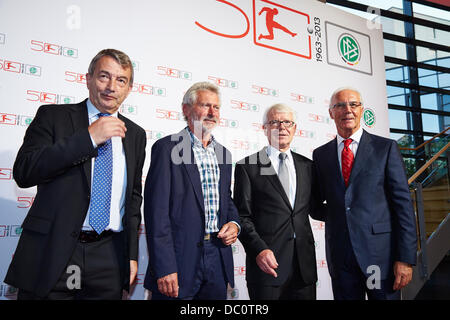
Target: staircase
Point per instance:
(430, 192)
(436, 206)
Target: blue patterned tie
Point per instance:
(101, 186)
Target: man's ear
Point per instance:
(331, 113)
(186, 109)
(88, 80)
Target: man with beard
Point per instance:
(190, 218)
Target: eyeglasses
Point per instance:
(277, 123)
(352, 104)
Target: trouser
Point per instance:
(294, 288)
(93, 273)
(210, 280)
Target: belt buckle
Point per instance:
(207, 237)
(89, 236)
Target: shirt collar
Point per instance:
(196, 141)
(93, 111)
(271, 151)
(356, 137)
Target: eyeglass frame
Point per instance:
(353, 105)
(286, 123)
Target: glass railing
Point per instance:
(428, 173)
(415, 157)
(430, 192)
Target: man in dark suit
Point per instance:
(190, 218)
(365, 202)
(272, 191)
(80, 237)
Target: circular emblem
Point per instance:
(349, 49)
(369, 117)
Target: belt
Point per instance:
(210, 236)
(92, 236)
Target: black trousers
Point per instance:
(294, 288)
(93, 273)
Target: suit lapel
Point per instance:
(80, 121)
(129, 159)
(332, 163)
(301, 176)
(186, 153)
(362, 155)
(268, 171)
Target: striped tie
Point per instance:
(347, 161)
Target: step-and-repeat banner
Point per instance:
(258, 52)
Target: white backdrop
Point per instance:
(46, 46)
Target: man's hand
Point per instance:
(104, 128)
(267, 262)
(168, 285)
(403, 274)
(228, 233)
(133, 270)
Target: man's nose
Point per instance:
(111, 85)
(211, 111)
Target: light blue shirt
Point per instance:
(119, 179)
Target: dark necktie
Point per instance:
(101, 186)
(347, 161)
(283, 173)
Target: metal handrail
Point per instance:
(425, 181)
(426, 142)
(429, 162)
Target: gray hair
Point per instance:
(191, 95)
(280, 107)
(343, 89)
(121, 58)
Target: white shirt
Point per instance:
(356, 138)
(273, 154)
(119, 178)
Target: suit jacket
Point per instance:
(268, 220)
(56, 156)
(175, 215)
(374, 212)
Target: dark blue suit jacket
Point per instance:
(175, 215)
(375, 208)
